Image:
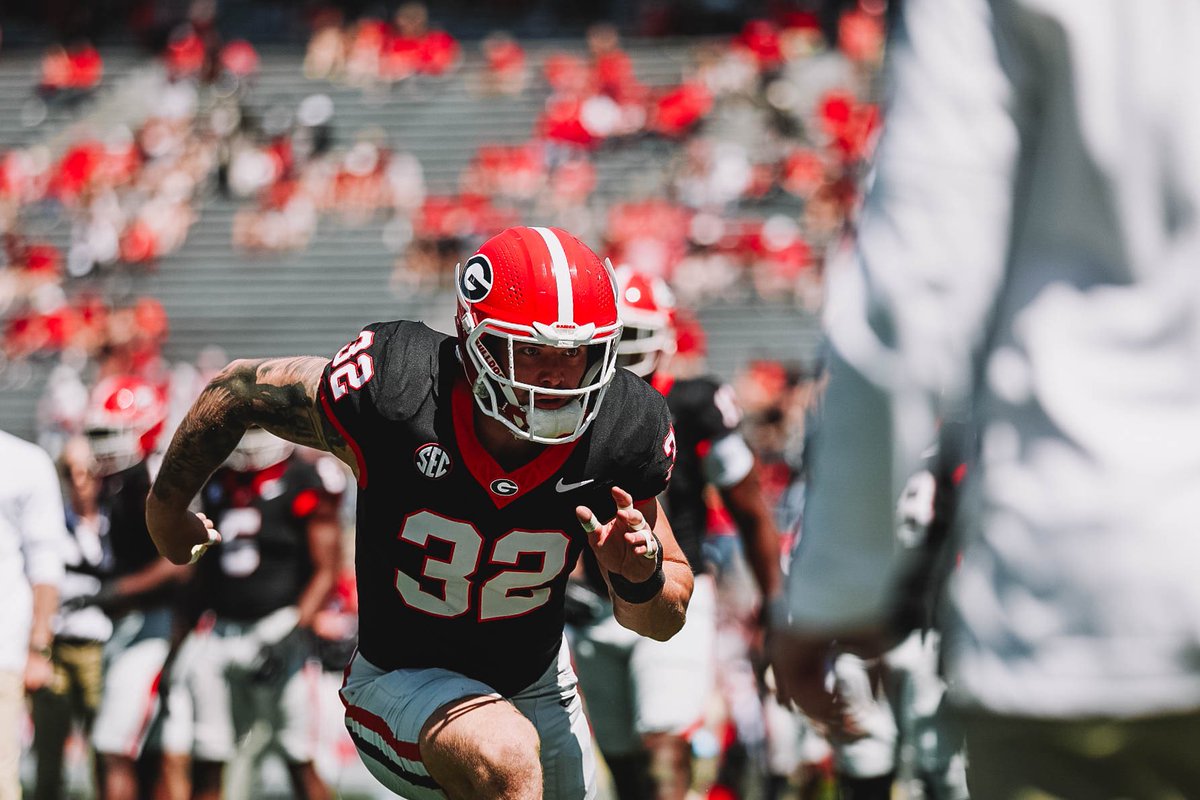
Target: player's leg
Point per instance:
(482, 747)
(176, 734)
(602, 651)
(432, 733)
(567, 755)
(135, 657)
(673, 683)
(293, 710)
(214, 689)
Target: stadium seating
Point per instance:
(314, 299)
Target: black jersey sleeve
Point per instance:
(645, 440)
(383, 374)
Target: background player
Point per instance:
(124, 420)
(277, 566)
(645, 696)
(478, 458)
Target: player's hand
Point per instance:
(624, 545)
(180, 535)
(212, 537)
(801, 664)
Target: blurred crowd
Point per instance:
(725, 217)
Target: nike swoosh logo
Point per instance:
(566, 487)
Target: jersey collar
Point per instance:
(485, 469)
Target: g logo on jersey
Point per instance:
(504, 487)
(475, 280)
(431, 460)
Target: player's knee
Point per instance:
(492, 761)
(509, 766)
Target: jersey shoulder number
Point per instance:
(351, 368)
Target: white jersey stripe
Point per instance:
(562, 275)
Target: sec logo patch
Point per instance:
(431, 460)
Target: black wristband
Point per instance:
(645, 591)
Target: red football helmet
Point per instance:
(541, 286)
(124, 419)
(647, 308)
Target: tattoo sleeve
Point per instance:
(278, 394)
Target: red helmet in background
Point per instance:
(540, 286)
(124, 419)
(647, 307)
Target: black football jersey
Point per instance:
(264, 562)
(704, 412)
(460, 563)
(123, 495)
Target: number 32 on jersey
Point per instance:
(350, 372)
(509, 593)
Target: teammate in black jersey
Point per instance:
(275, 569)
(485, 464)
(645, 697)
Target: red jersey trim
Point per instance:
(341, 429)
(483, 466)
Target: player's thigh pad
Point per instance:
(385, 712)
(673, 680)
(134, 662)
(602, 652)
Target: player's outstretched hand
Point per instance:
(625, 544)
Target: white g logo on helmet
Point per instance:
(475, 280)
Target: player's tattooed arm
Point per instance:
(278, 394)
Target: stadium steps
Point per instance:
(28, 120)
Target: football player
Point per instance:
(277, 566)
(644, 697)
(486, 462)
(124, 420)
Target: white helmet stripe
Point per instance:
(562, 275)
